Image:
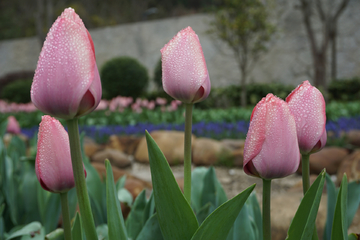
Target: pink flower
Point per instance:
(184, 73)
(151, 105)
(160, 101)
(67, 82)
(307, 104)
(13, 125)
(53, 165)
(271, 147)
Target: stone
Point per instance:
(208, 152)
(353, 137)
(233, 144)
(116, 157)
(126, 144)
(329, 158)
(91, 147)
(351, 166)
(171, 144)
(238, 156)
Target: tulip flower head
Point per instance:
(307, 104)
(13, 125)
(184, 73)
(271, 147)
(53, 165)
(67, 82)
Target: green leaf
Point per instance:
(115, 218)
(52, 212)
(302, 226)
(121, 183)
(151, 230)
(135, 220)
(26, 230)
(176, 218)
(197, 185)
(242, 227)
(3, 127)
(55, 235)
(353, 200)
(256, 214)
(149, 208)
(2, 207)
(202, 214)
(76, 229)
(339, 228)
(218, 224)
(212, 191)
(40, 235)
(331, 202)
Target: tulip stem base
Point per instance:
(305, 167)
(266, 209)
(187, 151)
(80, 184)
(65, 215)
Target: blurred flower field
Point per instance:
(125, 116)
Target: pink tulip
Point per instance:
(271, 147)
(160, 101)
(307, 104)
(13, 125)
(67, 82)
(184, 73)
(53, 161)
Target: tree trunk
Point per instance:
(333, 34)
(320, 69)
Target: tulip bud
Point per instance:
(184, 73)
(271, 147)
(67, 82)
(13, 126)
(53, 165)
(307, 104)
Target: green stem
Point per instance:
(80, 184)
(187, 151)
(65, 215)
(305, 172)
(266, 209)
(305, 167)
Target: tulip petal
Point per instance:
(65, 69)
(53, 161)
(184, 69)
(271, 147)
(307, 104)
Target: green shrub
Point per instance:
(17, 91)
(123, 76)
(345, 89)
(158, 75)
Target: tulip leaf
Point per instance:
(218, 224)
(26, 230)
(256, 215)
(52, 212)
(302, 226)
(339, 228)
(197, 185)
(353, 202)
(176, 218)
(76, 229)
(243, 226)
(331, 202)
(212, 190)
(115, 218)
(149, 208)
(202, 214)
(151, 230)
(135, 220)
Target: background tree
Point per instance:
(245, 27)
(327, 13)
